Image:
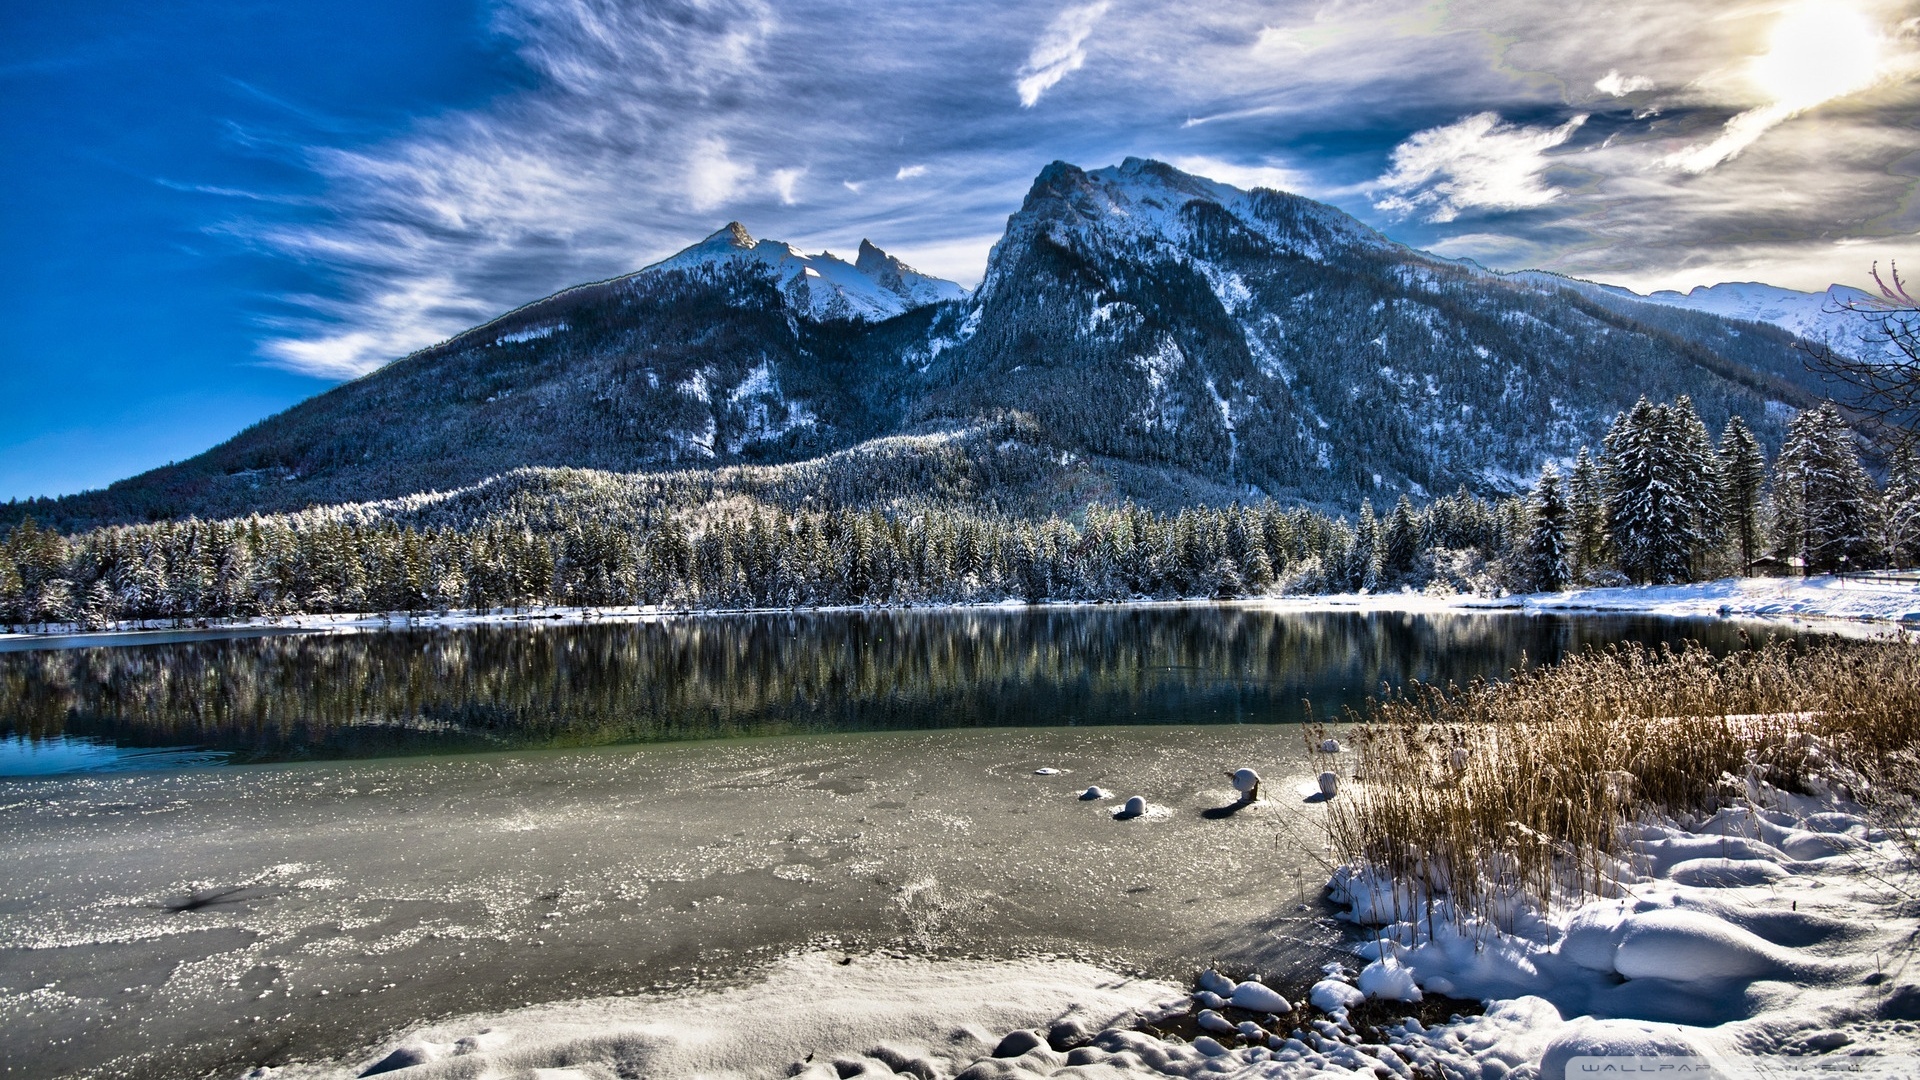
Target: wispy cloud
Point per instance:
(1059, 52)
(645, 125)
(784, 181)
(713, 177)
(1479, 161)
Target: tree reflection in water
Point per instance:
(427, 691)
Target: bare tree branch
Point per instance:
(1885, 375)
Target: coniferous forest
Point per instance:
(934, 521)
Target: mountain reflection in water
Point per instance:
(435, 691)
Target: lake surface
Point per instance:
(288, 697)
(229, 853)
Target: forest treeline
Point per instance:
(1660, 501)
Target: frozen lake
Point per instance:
(661, 806)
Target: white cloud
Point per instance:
(1614, 84)
(376, 328)
(908, 172)
(1479, 161)
(1059, 52)
(712, 176)
(1819, 51)
(1242, 176)
(644, 118)
(783, 181)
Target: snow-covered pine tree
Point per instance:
(1743, 476)
(1699, 482)
(1547, 563)
(1900, 510)
(1822, 498)
(1399, 545)
(1363, 564)
(1587, 503)
(1651, 512)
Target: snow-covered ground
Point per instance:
(1772, 939)
(1887, 601)
(1862, 599)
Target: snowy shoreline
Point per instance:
(1767, 940)
(1873, 607)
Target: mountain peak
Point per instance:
(824, 286)
(871, 259)
(734, 235)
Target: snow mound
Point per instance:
(1685, 946)
(1755, 928)
(1388, 980)
(1726, 873)
(1258, 997)
(1619, 1038)
(1330, 995)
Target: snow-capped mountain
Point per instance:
(1170, 333)
(1278, 346)
(874, 287)
(1820, 317)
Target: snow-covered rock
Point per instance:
(1389, 980)
(1216, 983)
(1259, 997)
(1329, 995)
(1246, 781)
(1213, 1021)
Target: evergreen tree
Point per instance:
(1399, 545)
(1743, 475)
(1900, 510)
(1586, 501)
(1652, 512)
(1547, 565)
(1363, 561)
(1698, 482)
(1822, 497)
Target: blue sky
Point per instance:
(216, 210)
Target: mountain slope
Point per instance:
(1263, 339)
(1180, 337)
(732, 349)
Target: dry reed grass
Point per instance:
(1501, 793)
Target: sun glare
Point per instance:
(1819, 50)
